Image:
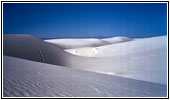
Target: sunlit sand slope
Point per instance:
(22, 78)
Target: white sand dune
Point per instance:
(114, 40)
(89, 42)
(143, 59)
(24, 78)
(77, 43)
(123, 48)
(31, 48)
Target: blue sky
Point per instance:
(85, 20)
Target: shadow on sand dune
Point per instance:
(31, 48)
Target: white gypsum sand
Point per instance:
(77, 43)
(25, 78)
(86, 42)
(141, 59)
(123, 48)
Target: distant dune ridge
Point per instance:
(92, 42)
(114, 40)
(141, 59)
(154, 44)
(77, 43)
